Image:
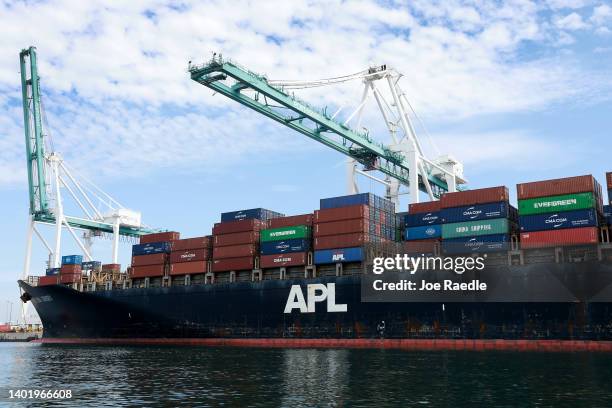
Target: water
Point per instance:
(166, 376)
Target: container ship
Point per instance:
(266, 279)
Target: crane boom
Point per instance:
(317, 124)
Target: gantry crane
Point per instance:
(403, 162)
(48, 174)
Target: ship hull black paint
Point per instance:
(256, 310)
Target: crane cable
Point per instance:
(301, 84)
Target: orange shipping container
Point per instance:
(233, 264)
(291, 221)
(187, 268)
(70, 269)
(192, 243)
(152, 259)
(562, 237)
(147, 271)
(567, 185)
(160, 237)
(342, 213)
(47, 280)
(473, 197)
(189, 255)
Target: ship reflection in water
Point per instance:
(148, 376)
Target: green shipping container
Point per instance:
(278, 234)
(475, 228)
(566, 202)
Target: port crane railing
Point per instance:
(48, 174)
(403, 162)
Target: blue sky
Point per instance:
(517, 90)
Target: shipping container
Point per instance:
(424, 207)
(423, 232)
(189, 255)
(148, 271)
(485, 243)
(48, 280)
(344, 213)
(237, 238)
(422, 246)
(341, 241)
(346, 227)
(282, 260)
(91, 265)
(560, 220)
(420, 219)
(556, 187)
(152, 259)
(304, 219)
(554, 238)
(476, 228)
(336, 255)
(238, 226)
(609, 180)
(72, 259)
(235, 251)
(191, 243)
(233, 264)
(610, 196)
(286, 246)
(151, 248)
(52, 271)
(473, 197)
(368, 199)
(277, 234)
(69, 269)
(479, 212)
(112, 268)
(567, 202)
(70, 278)
(160, 237)
(607, 211)
(188, 268)
(253, 213)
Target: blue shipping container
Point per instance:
(327, 256)
(151, 248)
(368, 199)
(424, 232)
(560, 220)
(416, 220)
(253, 213)
(484, 243)
(72, 259)
(608, 214)
(52, 271)
(286, 246)
(479, 212)
(610, 196)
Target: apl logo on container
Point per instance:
(338, 256)
(556, 220)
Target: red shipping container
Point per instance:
(428, 206)
(342, 213)
(234, 251)
(189, 255)
(191, 243)
(112, 268)
(70, 269)
(233, 264)
(160, 237)
(278, 260)
(473, 197)
(236, 238)
(238, 226)
(422, 246)
(187, 268)
(340, 241)
(291, 221)
(47, 280)
(152, 259)
(562, 237)
(609, 180)
(70, 278)
(147, 271)
(568, 185)
(340, 227)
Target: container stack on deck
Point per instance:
(343, 225)
(150, 257)
(286, 242)
(236, 241)
(190, 256)
(70, 272)
(559, 212)
(609, 184)
(480, 220)
(423, 228)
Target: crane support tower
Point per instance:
(402, 161)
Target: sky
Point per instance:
(518, 91)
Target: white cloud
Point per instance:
(571, 22)
(602, 14)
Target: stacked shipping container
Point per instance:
(150, 257)
(190, 256)
(423, 228)
(479, 220)
(287, 241)
(559, 212)
(70, 272)
(344, 224)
